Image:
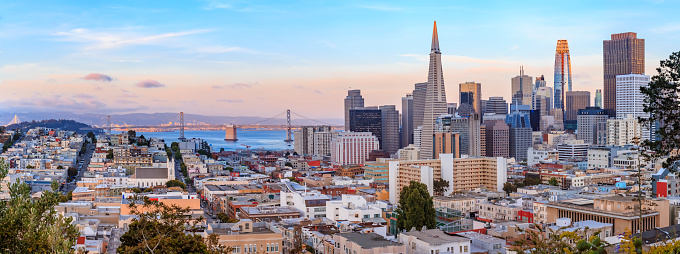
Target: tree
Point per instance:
(109, 154)
(132, 134)
(161, 228)
(509, 188)
(175, 183)
(630, 244)
(416, 208)
(72, 171)
(540, 241)
(92, 137)
(60, 167)
(440, 186)
(69, 195)
(553, 181)
(33, 225)
(661, 99)
(136, 190)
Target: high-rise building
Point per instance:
(352, 101)
(419, 94)
(305, 141)
(522, 88)
(623, 54)
(435, 100)
(575, 100)
(471, 94)
(451, 108)
(390, 129)
(629, 98)
(474, 135)
(587, 122)
(562, 73)
(623, 131)
(520, 131)
(446, 142)
(598, 98)
(496, 105)
(451, 124)
(353, 147)
(540, 82)
(497, 139)
(322, 142)
(407, 120)
(546, 94)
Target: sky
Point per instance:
(259, 58)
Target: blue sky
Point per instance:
(259, 58)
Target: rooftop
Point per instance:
(368, 240)
(151, 173)
(435, 237)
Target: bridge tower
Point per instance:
(288, 136)
(108, 124)
(181, 126)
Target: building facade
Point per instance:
(562, 73)
(435, 100)
(353, 147)
(623, 54)
(352, 101)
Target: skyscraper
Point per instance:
(598, 98)
(471, 94)
(451, 123)
(630, 100)
(575, 100)
(383, 122)
(419, 94)
(496, 105)
(522, 88)
(540, 82)
(352, 101)
(623, 54)
(497, 139)
(474, 135)
(519, 133)
(562, 73)
(407, 120)
(435, 100)
(390, 129)
(587, 122)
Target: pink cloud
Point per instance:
(98, 77)
(149, 84)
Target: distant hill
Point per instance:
(68, 125)
(159, 118)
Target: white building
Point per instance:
(312, 204)
(411, 152)
(623, 131)
(353, 147)
(537, 156)
(353, 208)
(629, 98)
(573, 150)
(434, 241)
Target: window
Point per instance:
(376, 215)
(465, 249)
(245, 248)
(277, 247)
(267, 247)
(247, 225)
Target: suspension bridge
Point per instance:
(230, 129)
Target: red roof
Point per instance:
(314, 163)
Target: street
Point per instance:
(82, 167)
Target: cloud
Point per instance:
(230, 100)
(83, 96)
(127, 94)
(149, 84)
(98, 77)
(109, 40)
(317, 91)
(237, 85)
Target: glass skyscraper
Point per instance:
(562, 73)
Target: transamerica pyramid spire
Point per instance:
(435, 101)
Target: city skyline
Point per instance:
(222, 58)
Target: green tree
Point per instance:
(416, 208)
(136, 190)
(440, 186)
(161, 228)
(553, 181)
(92, 137)
(69, 195)
(661, 99)
(175, 183)
(541, 242)
(109, 154)
(72, 171)
(132, 134)
(60, 167)
(508, 187)
(29, 225)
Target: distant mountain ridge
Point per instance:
(158, 118)
(67, 125)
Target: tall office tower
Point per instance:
(623, 54)
(446, 142)
(407, 120)
(497, 139)
(558, 119)
(587, 121)
(435, 100)
(419, 94)
(451, 108)
(547, 94)
(366, 119)
(353, 147)
(390, 129)
(540, 82)
(474, 135)
(483, 107)
(496, 105)
(575, 100)
(482, 138)
(562, 73)
(322, 142)
(471, 94)
(452, 123)
(622, 131)
(352, 101)
(598, 98)
(520, 134)
(629, 99)
(305, 141)
(522, 88)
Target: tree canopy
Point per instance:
(33, 225)
(416, 208)
(175, 183)
(439, 186)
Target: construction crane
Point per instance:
(247, 148)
